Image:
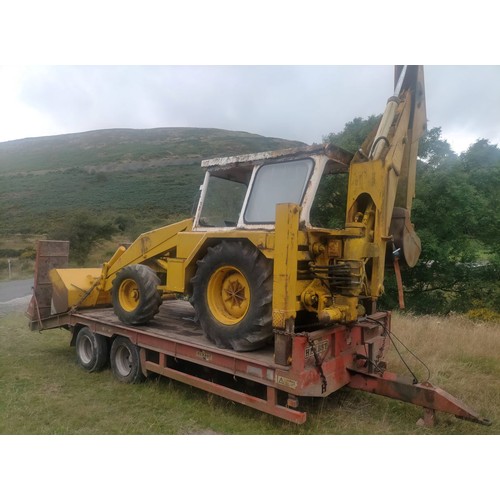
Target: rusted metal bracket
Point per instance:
(423, 394)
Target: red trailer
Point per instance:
(321, 361)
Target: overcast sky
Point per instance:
(73, 67)
(302, 103)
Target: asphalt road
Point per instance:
(15, 295)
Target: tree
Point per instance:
(434, 151)
(456, 216)
(83, 230)
(330, 203)
(354, 133)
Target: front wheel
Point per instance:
(136, 298)
(232, 296)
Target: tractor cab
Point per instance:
(243, 191)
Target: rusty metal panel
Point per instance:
(268, 405)
(335, 153)
(50, 254)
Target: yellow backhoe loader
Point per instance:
(251, 261)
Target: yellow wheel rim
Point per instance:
(228, 295)
(129, 295)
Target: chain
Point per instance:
(317, 359)
(290, 334)
(318, 364)
(380, 353)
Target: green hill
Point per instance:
(142, 178)
(123, 149)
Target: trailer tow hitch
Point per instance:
(423, 394)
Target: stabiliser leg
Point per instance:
(423, 394)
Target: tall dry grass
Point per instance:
(463, 357)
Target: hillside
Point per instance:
(118, 171)
(128, 181)
(124, 149)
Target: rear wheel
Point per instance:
(91, 350)
(136, 298)
(126, 361)
(232, 296)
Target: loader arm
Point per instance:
(91, 287)
(150, 245)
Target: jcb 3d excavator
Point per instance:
(250, 260)
(260, 273)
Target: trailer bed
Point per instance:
(173, 345)
(175, 322)
(310, 363)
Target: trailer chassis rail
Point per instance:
(268, 405)
(423, 394)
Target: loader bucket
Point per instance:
(57, 289)
(74, 288)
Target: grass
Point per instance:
(31, 203)
(43, 390)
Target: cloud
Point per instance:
(293, 102)
(297, 102)
(464, 101)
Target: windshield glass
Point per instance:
(223, 202)
(277, 183)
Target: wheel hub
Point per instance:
(129, 295)
(228, 295)
(235, 293)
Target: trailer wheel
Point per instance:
(126, 361)
(91, 350)
(136, 298)
(232, 296)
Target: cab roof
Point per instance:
(238, 167)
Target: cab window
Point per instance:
(275, 183)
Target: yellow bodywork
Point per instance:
(330, 273)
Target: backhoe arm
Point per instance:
(382, 180)
(413, 83)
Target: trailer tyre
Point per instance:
(92, 350)
(136, 298)
(126, 361)
(232, 296)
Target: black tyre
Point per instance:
(232, 296)
(125, 361)
(136, 298)
(92, 350)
